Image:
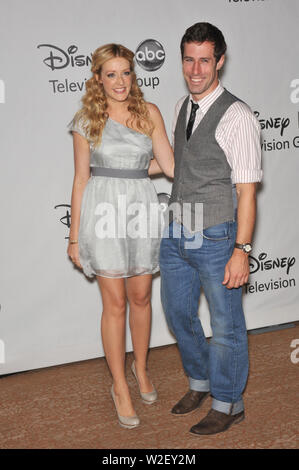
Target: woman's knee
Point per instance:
(115, 307)
(113, 295)
(139, 299)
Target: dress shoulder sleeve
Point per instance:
(77, 125)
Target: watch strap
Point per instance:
(243, 247)
(240, 245)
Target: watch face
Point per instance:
(247, 248)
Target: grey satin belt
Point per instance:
(118, 172)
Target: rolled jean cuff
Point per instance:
(228, 408)
(199, 385)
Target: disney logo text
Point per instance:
(60, 59)
(273, 123)
(259, 264)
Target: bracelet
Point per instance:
(72, 242)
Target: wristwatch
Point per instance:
(246, 247)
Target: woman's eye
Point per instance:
(110, 75)
(127, 73)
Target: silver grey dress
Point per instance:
(120, 221)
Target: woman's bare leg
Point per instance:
(139, 297)
(113, 327)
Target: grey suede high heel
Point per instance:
(149, 397)
(128, 422)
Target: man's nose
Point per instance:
(196, 68)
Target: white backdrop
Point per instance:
(50, 312)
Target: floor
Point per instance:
(69, 406)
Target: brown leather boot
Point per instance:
(216, 422)
(189, 403)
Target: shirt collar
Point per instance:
(207, 101)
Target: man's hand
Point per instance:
(236, 271)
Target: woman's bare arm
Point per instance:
(162, 149)
(82, 174)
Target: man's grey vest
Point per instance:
(202, 173)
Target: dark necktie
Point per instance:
(195, 107)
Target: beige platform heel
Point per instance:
(149, 397)
(128, 422)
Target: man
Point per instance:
(217, 163)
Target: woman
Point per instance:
(115, 134)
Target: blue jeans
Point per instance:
(220, 365)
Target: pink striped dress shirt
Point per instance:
(238, 134)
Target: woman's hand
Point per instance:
(73, 252)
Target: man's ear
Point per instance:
(220, 62)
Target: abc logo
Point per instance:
(150, 55)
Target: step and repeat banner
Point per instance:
(50, 312)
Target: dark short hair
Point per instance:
(201, 32)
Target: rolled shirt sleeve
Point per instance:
(241, 143)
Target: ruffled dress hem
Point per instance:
(92, 273)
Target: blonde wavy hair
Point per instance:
(93, 114)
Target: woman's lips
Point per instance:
(119, 90)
